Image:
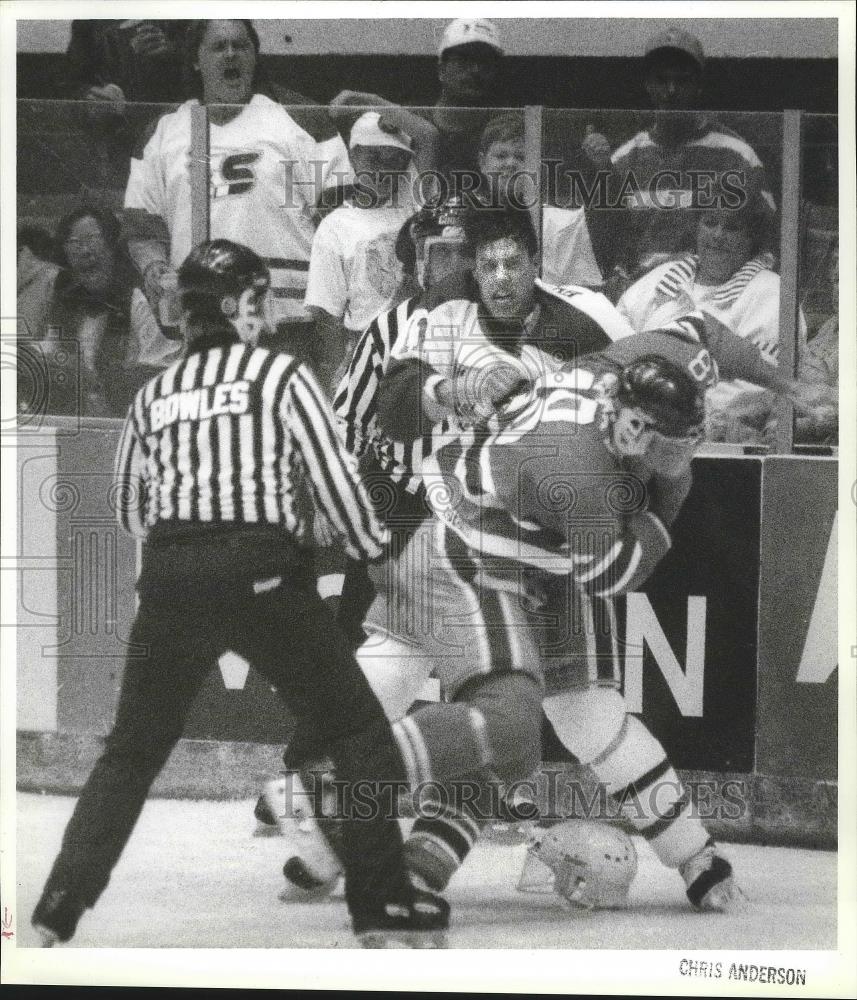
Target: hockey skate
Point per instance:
(266, 819)
(312, 867)
(420, 922)
(56, 916)
(710, 884)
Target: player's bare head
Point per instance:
(220, 61)
(225, 294)
(470, 53)
(654, 413)
(504, 247)
(432, 246)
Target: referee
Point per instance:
(224, 461)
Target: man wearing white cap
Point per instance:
(470, 54)
(354, 273)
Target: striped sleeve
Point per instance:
(338, 495)
(630, 560)
(597, 516)
(355, 401)
(130, 479)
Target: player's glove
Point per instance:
(475, 394)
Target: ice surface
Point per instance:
(194, 876)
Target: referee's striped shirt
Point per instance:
(355, 402)
(239, 435)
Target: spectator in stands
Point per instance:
(823, 349)
(354, 273)
(97, 302)
(117, 61)
(659, 163)
(36, 274)
(821, 365)
(502, 161)
(470, 56)
(754, 416)
(267, 167)
(567, 255)
(731, 276)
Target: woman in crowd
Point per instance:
(266, 171)
(97, 302)
(753, 415)
(36, 274)
(731, 276)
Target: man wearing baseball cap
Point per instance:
(470, 50)
(353, 272)
(470, 56)
(656, 169)
(674, 62)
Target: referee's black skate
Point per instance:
(56, 916)
(420, 922)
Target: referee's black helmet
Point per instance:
(666, 392)
(215, 275)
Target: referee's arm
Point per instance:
(337, 491)
(354, 401)
(130, 478)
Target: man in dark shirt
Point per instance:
(470, 57)
(658, 173)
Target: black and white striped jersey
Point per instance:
(355, 402)
(237, 435)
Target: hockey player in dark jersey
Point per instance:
(577, 481)
(224, 461)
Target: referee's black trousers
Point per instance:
(281, 626)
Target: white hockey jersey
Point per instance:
(265, 177)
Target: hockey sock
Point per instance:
(442, 741)
(644, 785)
(627, 759)
(444, 833)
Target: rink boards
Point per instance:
(730, 651)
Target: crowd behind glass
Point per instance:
(680, 216)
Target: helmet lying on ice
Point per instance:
(586, 862)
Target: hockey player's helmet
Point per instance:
(221, 280)
(666, 392)
(428, 232)
(588, 863)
